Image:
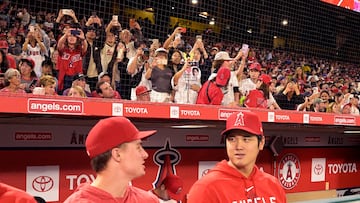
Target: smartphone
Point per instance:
(315, 89)
(245, 48)
(146, 51)
(33, 21)
(178, 36)
(183, 30)
(33, 83)
(115, 17)
(155, 41)
(199, 37)
(66, 11)
(93, 14)
(75, 32)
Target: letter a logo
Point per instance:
(239, 119)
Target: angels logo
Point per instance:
(239, 119)
(289, 171)
(166, 158)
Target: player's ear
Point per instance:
(261, 142)
(115, 154)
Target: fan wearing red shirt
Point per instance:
(238, 179)
(212, 90)
(72, 47)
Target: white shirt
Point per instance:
(144, 82)
(229, 97)
(183, 93)
(36, 54)
(246, 85)
(106, 55)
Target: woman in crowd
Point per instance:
(261, 97)
(28, 76)
(76, 91)
(12, 82)
(48, 82)
(300, 76)
(186, 84)
(34, 48)
(160, 75)
(290, 97)
(72, 47)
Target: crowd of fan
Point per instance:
(57, 54)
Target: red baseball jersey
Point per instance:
(69, 63)
(227, 185)
(90, 194)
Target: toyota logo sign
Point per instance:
(42, 183)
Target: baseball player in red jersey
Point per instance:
(238, 179)
(117, 156)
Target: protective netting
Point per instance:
(284, 34)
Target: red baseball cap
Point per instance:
(141, 90)
(343, 88)
(255, 66)
(222, 76)
(265, 78)
(29, 61)
(173, 185)
(111, 132)
(4, 44)
(244, 120)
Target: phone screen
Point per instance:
(245, 48)
(75, 32)
(33, 82)
(66, 11)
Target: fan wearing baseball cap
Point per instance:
(222, 59)
(261, 97)
(238, 179)
(249, 84)
(117, 156)
(142, 93)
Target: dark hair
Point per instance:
(47, 62)
(4, 65)
(265, 89)
(259, 137)
(97, 88)
(324, 91)
(99, 162)
(39, 199)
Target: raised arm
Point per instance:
(171, 37)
